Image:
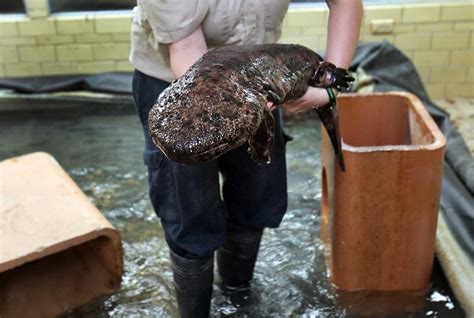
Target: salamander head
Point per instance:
(201, 124)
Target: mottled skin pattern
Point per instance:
(221, 101)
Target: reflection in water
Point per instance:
(101, 150)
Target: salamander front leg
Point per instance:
(261, 141)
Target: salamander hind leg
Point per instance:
(328, 75)
(261, 141)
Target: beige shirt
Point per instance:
(157, 23)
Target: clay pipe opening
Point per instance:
(329, 117)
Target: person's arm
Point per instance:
(177, 24)
(186, 51)
(343, 31)
(343, 34)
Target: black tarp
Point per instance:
(389, 70)
(113, 83)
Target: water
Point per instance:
(101, 150)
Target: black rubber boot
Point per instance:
(236, 258)
(193, 280)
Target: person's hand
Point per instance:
(313, 98)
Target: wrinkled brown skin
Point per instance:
(221, 101)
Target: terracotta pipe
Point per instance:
(57, 249)
(379, 217)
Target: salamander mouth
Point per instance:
(202, 156)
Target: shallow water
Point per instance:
(101, 150)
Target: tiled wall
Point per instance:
(438, 37)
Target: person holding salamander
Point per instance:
(167, 38)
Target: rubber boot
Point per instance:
(236, 261)
(193, 279)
